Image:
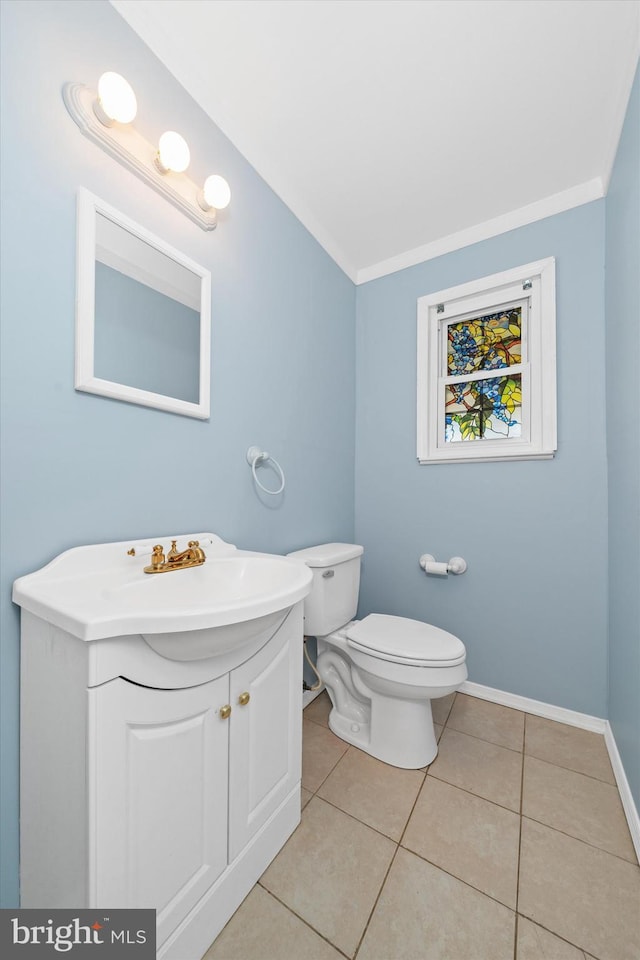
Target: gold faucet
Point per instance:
(193, 556)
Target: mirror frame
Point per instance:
(89, 206)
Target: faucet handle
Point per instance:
(157, 557)
(197, 551)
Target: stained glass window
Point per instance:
(483, 408)
(486, 368)
(485, 343)
(489, 409)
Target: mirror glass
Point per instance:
(143, 325)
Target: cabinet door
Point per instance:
(265, 736)
(159, 777)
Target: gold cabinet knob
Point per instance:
(225, 712)
(244, 698)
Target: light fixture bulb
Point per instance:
(116, 99)
(173, 153)
(216, 193)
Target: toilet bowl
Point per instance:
(381, 672)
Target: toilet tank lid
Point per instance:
(409, 640)
(327, 554)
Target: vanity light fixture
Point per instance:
(116, 101)
(173, 153)
(216, 193)
(106, 119)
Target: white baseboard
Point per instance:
(536, 707)
(628, 803)
(574, 719)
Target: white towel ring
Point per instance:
(255, 456)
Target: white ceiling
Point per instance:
(387, 126)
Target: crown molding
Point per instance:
(557, 203)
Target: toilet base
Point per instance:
(399, 733)
(350, 730)
(386, 713)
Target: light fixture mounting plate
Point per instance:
(131, 149)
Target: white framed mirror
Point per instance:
(143, 315)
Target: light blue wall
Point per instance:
(623, 441)
(78, 468)
(143, 338)
(532, 607)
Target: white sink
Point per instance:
(100, 591)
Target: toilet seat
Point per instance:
(401, 640)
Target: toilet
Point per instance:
(381, 672)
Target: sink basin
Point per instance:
(100, 591)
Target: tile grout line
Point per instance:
(478, 796)
(515, 930)
(363, 823)
(436, 866)
(454, 876)
(521, 816)
(522, 819)
(398, 844)
(586, 843)
(318, 723)
(375, 903)
(526, 714)
(344, 752)
(395, 854)
(533, 756)
(415, 803)
(302, 919)
(536, 923)
(352, 816)
(580, 773)
(495, 743)
(446, 719)
(523, 750)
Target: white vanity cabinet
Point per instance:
(152, 782)
(265, 737)
(181, 786)
(160, 731)
(159, 762)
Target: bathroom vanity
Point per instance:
(160, 732)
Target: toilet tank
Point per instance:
(333, 599)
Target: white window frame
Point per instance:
(532, 285)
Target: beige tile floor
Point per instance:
(512, 845)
